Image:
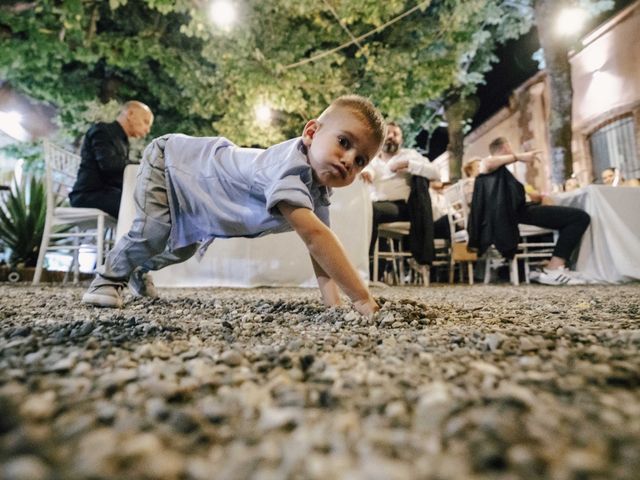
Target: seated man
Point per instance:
(389, 178)
(105, 154)
(570, 222)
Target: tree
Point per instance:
(294, 56)
(555, 50)
(491, 23)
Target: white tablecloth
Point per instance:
(610, 249)
(273, 260)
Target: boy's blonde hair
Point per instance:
(362, 108)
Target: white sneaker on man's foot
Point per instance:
(103, 296)
(558, 276)
(141, 284)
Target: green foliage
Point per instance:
(22, 218)
(201, 80)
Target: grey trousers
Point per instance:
(146, 243)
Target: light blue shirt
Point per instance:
(219, 190)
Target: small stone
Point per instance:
(26, 467)
(39, 406)
(106, 412)
(396, 410)
(351, 316)
(62, 365)
(433, 406)
(486, 368)
(279, 418)
(527, 345)
(493, 341)
(157, 409)
(231, 357)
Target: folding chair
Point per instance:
(65, 226)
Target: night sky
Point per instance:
(514, 67)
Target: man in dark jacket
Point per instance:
(499, 206)
(397, 196)
(105, 154)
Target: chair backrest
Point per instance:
(61, 171)
(457, 210)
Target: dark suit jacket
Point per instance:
(105, 154)
(493, 220)
(421, 218)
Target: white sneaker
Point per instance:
(108, 295)
(558, 276)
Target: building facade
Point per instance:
(606, 108)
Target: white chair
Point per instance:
(398, 231)
(532, 252)
(392, 231)
(65, 226)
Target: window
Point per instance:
(614, 145)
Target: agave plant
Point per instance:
(22, 217)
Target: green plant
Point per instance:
(22, 218)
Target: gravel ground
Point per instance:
(483, 382)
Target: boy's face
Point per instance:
(338, 148)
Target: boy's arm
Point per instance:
(328, 288)
(326, 250)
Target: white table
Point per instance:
(610, 249)
(273, 260)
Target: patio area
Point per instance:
(445, 382)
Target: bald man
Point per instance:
(105, 154)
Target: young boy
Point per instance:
(190, 191)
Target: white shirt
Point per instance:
(389, 186)
(438, 204)
(219, 190)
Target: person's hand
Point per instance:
(366, 307)
(366, 177)
(547, 200)
(399, 166)
(535, 197)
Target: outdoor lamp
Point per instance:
(570, 21)
(222, 13)
(263, 114)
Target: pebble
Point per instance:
(232, 358)
(25, 467)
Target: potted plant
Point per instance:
(22, 217)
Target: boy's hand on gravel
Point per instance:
(366, 307)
